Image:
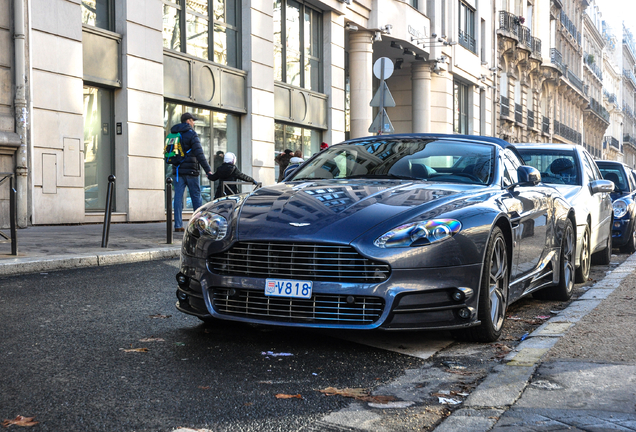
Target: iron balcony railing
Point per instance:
(610, 141)
(611, 97)
(567, 132)
(525, 37)
(518, 113)
(629, 74)
(576, 81)
(531, 119)
(627, 110)
(467, 41)
(505, 106)
(629, 139)
(545, 127)
(557, 59)
(590, 61)
(570, 27)
(509, 22)
(599, 109)
(536, 46)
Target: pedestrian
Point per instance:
(283, 160)
(218, 159)
(293, 164)
(297, 154)
(228, 172)
(186, 174)
(323, 146)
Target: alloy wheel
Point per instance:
(497, 286)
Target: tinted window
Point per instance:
(556, 167)
(616, 174)
(444, 161)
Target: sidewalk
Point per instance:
(576, 372)
(49, 248)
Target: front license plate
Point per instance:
(288, 288)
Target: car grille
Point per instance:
(298, 261)
(321, 308)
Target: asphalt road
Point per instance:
(65, 336)
(62, 351)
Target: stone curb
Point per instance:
(19, 266)
(500, 390)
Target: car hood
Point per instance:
(340, 211)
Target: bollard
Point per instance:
(169, 210)
(109, 201)
(13, 208)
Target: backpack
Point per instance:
(173, 151)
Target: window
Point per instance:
(218, 132)
(207, 29)
(467, 27)
(297, 44)
(461, 104)
(97, 13)
(414, 3)
(296, 138)
(98, 146)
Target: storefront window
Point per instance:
(207, 29)
(218, 132)
(98, 146)
(296, 138)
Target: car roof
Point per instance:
(547, 146)
(432, 136)
(609, 162)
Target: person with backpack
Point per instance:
(228, 172)
(184, 152)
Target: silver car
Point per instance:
(571, 170)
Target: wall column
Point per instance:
(361, 75)
(421, 80)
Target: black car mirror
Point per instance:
(598, 186)
(528, 176)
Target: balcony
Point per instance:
(590, 61)
(536, 46)
(467, 41)
(611, 97)
(610, 141)
(599, 109)
(570, 27)
(557, 59)
(630, 75)
(525, 37)
(576, 81)
(509, 22)
(505, 106)
(629, 139)
(518, 113)
(545, 127)
(567, 132)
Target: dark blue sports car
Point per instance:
(393, 232)
(624, 203)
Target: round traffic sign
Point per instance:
(383, 68)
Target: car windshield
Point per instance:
(408, 158)
(556, 166)
(616, 175)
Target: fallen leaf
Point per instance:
(152, 340)
(287, 396)
(159, 316)
(204, 387)
(135, 350)
(20, 421)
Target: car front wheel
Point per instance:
(493, 292)
(583, 271)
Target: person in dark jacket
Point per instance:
(228, 172)
(186, 174)
(283, 160)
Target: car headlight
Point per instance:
(620, 208)
(419, 233)
(209, 223)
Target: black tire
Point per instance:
(493, 292)
(563, 290)
(630, 246)
(603, 257)
(582, 273)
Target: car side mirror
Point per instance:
(528, 176)
(597, 186)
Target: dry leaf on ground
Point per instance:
(287, 396)
(20, 421)
(135, 350)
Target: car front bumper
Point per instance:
(621, 231)
(428, 298)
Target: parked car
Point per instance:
(572, 171)
(411, 231)
(623, 201)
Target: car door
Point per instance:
(530, 208)
(599, 205)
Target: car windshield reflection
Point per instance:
(403, 159)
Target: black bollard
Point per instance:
(13, 209)
(109, 201)
(169, 210)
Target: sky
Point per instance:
(617, 11)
